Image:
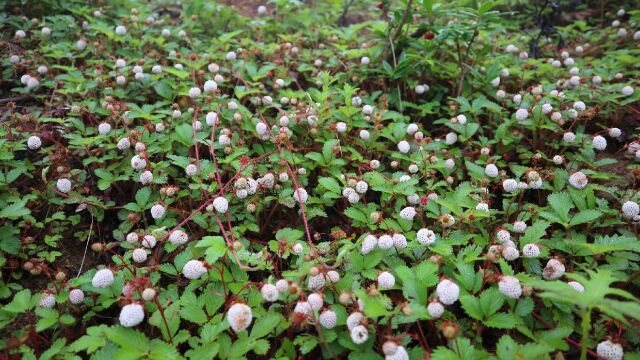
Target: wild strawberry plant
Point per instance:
(406, 179)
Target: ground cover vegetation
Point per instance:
(348, 179)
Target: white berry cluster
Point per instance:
(158, 211)
(630, 209)
(578, 180)
(47, 300)
(245, 186)
(239, 316)
(149, 241)
(448, 291)
(76, 296)
(178, 237)
(300, 195)
(269, 292)
(316, 282)
(131, 315)
(221, 204)
(545, 131)
(609, 350)
(510, 287)
(408, 213)
(393, 351)
(553, 270)
(328, 319)
(369, 244)
(531, 251)
(102, 278)
(426, 237)
(194, 269)
(435, 309)
(63, 185)
(386, 280)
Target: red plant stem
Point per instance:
(210, 200)
(484, 273)
(314, 252)
(124, 263)
(33, 333)
(166, 324)
(297, 188)
(304, 215)
(218, 176)
(246, 285)
(231, 249)
(233, 238)
(633, 109)
(53, 93)
(220, 271)
(213, 154)
(222, 230)
(195, 143)
(424, 342)
(292, 173)
(185, 220)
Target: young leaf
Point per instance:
(491, 301)
(501, 321)
(585, 216)
(265, 324)
(561, 203)
(472, 306)
(507, 348)
(215, 246)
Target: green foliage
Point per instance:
(354, 143)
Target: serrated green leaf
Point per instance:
(411, 288)
(443, 353)
(265, 324)
(142, 196)
(555, 337)
(585, 216)
(15, 210)
(535, 232)
(491, 301)
(606, 243)
(507, 348)
(165, 90)
(215, 246)
(330, 184)
(128, 338)
(9, 241)
(561, 204)
(21, 302)
(472, 306)
(206, 351)
(355, 213)
(53, 350)
(289, 235)
(193, 313)
(466, 276)
(306, 343)
(501, 321)
(524, 307)
(261, 347)
(45, 323)
(327, 150)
